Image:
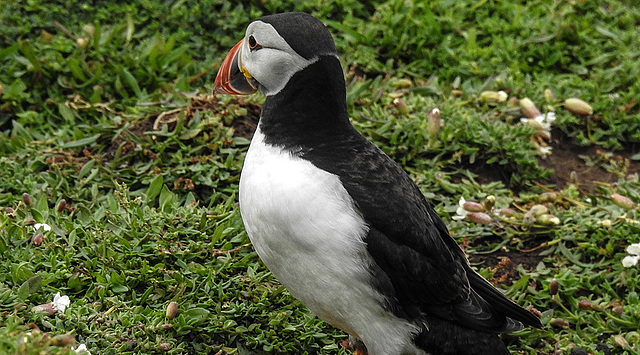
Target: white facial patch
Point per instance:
(275, 62)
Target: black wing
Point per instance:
(420, 268)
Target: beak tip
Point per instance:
(230, 79)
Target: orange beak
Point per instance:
(230, 79)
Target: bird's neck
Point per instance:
(310, 110)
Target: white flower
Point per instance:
(541, 123)
(60, 303)
(461, 213)
(630, 260)
(543, 151)
(81, 349)
(45, 227)
(634, 249)
(550, 117)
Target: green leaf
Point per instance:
(30, 54)
(167, 200)
(86, 168)
(15, 91)
(130, 27)
(97, 36)
(190, 133)
(66, 112)
(29, 287)
(112, 203)
(154, 187)
(74, 66)
(130, 81)
(197, 314)
(119, 288)
(42, 206)
(9, 50)
(81, 142)
(74, 282)
(71, 239)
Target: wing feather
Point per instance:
(419, 267)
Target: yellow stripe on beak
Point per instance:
(245, 72)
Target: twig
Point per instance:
(81, 271)
(223, 252)
(370, 119)
(577, 203)
(543, 245)
(166, 117)
(65, 30)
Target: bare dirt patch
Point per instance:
(246, 125)
(504, 263)
(586, 165)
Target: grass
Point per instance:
(110, 136)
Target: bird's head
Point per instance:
(274, 48)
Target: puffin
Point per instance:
(338, 222)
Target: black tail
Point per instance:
(501, 303)
(446, 338)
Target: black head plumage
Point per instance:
(304, 33)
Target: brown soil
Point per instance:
(246, 126)
(568, 158)
(504, 263)
(569, 163)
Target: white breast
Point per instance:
(306, 229)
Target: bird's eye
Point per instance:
(253, 44)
